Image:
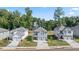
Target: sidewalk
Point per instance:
(42, 45)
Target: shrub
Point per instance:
(52, 37)
(29, 38)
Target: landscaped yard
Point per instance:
(4, 43)
(26, 43)
(52, 41)
(77, 40)
(57, 43)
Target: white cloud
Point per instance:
(71, 13)
(75, 9)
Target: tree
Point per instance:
(11, 20)
(23, 21)
(57, 14)
(14, 20)
(29, 18)
(4, 14)
(71, 21)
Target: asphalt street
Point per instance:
(33, 49)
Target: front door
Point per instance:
(68, 38)
(16, 38)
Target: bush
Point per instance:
(29, 38)
(52, 37)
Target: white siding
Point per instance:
(42, 36)
(68, 34)
(4, 35)
(25, 34)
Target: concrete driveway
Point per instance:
(42, 45)
(72, 43)
(13, 44)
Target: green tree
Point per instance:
(4, 14)
(57, 15)
(29, 17)
(14, 20)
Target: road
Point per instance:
(33, 49)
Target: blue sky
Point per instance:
(45, 12)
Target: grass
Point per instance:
(26, 43)
(4, 43)
(52, 41)
(77, 40)
(57, 43)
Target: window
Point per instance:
(36, 33)
(61, 32)
(69, 31)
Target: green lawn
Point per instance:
(52, 41)
(4, 43)
(77, 40)
(57, 43)
(26, 43)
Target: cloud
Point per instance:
(71, 13)
(75, 9)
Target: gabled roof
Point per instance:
(61, 27)
(67, 29)
(75, 27)
(40, 29)
(57, 29)
(20, 29)
(76, 30)
(3, 30)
